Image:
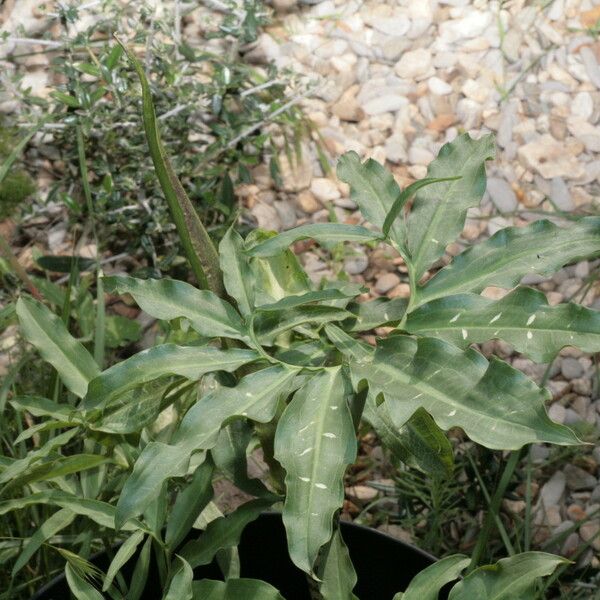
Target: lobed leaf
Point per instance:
(237, 274)
(438, 212)
(374, 190)
(170, 299)
(522, 318)
(223, 532)
(314, 443)
(191, 362)
(503, 259)
(376, 313)
(496, 405)
(324, 233)
(348, 290)
(428, 583)
(189, 503)
(255, 397)
(512, 577)
(40, 327)
(180, 586)
(336, 572)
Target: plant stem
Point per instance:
(494, 506)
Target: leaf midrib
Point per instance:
(473, 283)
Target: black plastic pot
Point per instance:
(384, 565)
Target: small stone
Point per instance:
(550, 159)
(552, 516)
(287, 213)
(266, 217)
(364, 493)
(571, 368)
(296, 177)
(576, 513)
(579, 479)
(419, 156)
(307, 202)
(438, 86)
(385, 103)
(442, 122)
(585, 132)
(414, 63)
(395, 149)
(589, 533)
(472, 25)
(557, 412)
(355, 265)
(560, 194)
(583, 106)
(386, 282)
(347, 107)
(502, 194)
(553, 489)
(397, 532)
(570, 545)
(402, 290)
(591, 65)
(266, 50)
(324, 189)
(539, 453)
(582, 386)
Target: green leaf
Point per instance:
(276, 277)
(510, 578)
(191, 362)
(428, 583)
(255, 397)
(156, 463)
(189, 503)
(20, 466)
(336, 571)
(237, 274)
(170, 299)
(235, 589)
(124, 553)
(44, 426)
(65, 465)
(96, 510)
(406, 194)
(42, 407)
(51, 526)
(438, 212)
(374, 190)
(376, 313)
(223, 532)
(314, 442)
(522, 318)
(229, 455)
(419, 442)
(120, 331)
(136, 408)
(349, 290)
(496, 405)
(65, 264)
(324, 233)
(48, 334)
(180, 587)
(140, 573)
(269, 326)
(65, 98)
(80, 588)
(195, 240)
(539, 248)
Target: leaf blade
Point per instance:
(48, 334)
(314, 443)
(438, 213)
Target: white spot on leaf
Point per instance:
(305, 479)
(494, 319)
(531, 320)
(304, 452)
(529, 335)
(329, 435)
(452, 413)
(465, 334)
(454, 318)
(321, 486)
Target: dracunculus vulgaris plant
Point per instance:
(278, 359)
